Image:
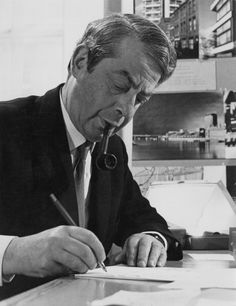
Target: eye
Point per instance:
(121, 88)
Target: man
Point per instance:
(114, 69)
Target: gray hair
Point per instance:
(102, 38)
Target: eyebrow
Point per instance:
(132, 82)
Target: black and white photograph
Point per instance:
(180, 126)
(117, 152)
(193, 25)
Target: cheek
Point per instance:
(102, 100)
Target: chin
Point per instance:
(99, 138)
(94, 138)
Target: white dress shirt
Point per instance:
(75, 139)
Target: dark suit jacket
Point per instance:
(35, 161)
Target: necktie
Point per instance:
(79, 171)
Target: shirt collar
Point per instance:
(75, 138)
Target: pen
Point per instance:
(69, 220)
(62, 210)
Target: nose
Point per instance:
(113, 116)
(121, 111)
(125, 106)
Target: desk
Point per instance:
(70, 291)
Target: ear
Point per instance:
(79, 61)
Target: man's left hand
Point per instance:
(142, 250)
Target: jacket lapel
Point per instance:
(53, 169)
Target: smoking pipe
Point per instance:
(105, 161)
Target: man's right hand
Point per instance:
(57, 251)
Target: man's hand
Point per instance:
(57, 251)
(142, 250)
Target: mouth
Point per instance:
(112, 126)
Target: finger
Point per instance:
(162, 258)
(144, 247)
(91, 240)
(119, 258)
(158, 255)
(60, 270)
(62, 240)
(154, 255)
(132, 250)
(82, 251)
(71, 262)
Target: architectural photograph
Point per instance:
(180, 126)
(197, 29)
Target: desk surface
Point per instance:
(70, 291)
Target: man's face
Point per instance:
(112, 92)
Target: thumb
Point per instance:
(120, 257)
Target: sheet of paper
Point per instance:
(217, 297)
(160, 298)
(185, 297)
(207, 278)
(164, 274)
(175, 277)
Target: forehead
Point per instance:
(133, 62)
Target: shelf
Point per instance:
(184, 163)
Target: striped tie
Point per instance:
(79, 173)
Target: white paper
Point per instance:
(206, 278)
(185, 297)
(217, 297)
(175, 277)
(164, 274)
(160, 298)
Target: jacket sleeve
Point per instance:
(137, 215)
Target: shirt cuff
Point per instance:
(4, 243)
(160, 235)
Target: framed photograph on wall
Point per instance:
(180, 126)
(189, 118)
(196, 28)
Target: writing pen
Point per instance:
(68, 219)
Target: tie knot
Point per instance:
(80, 153)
